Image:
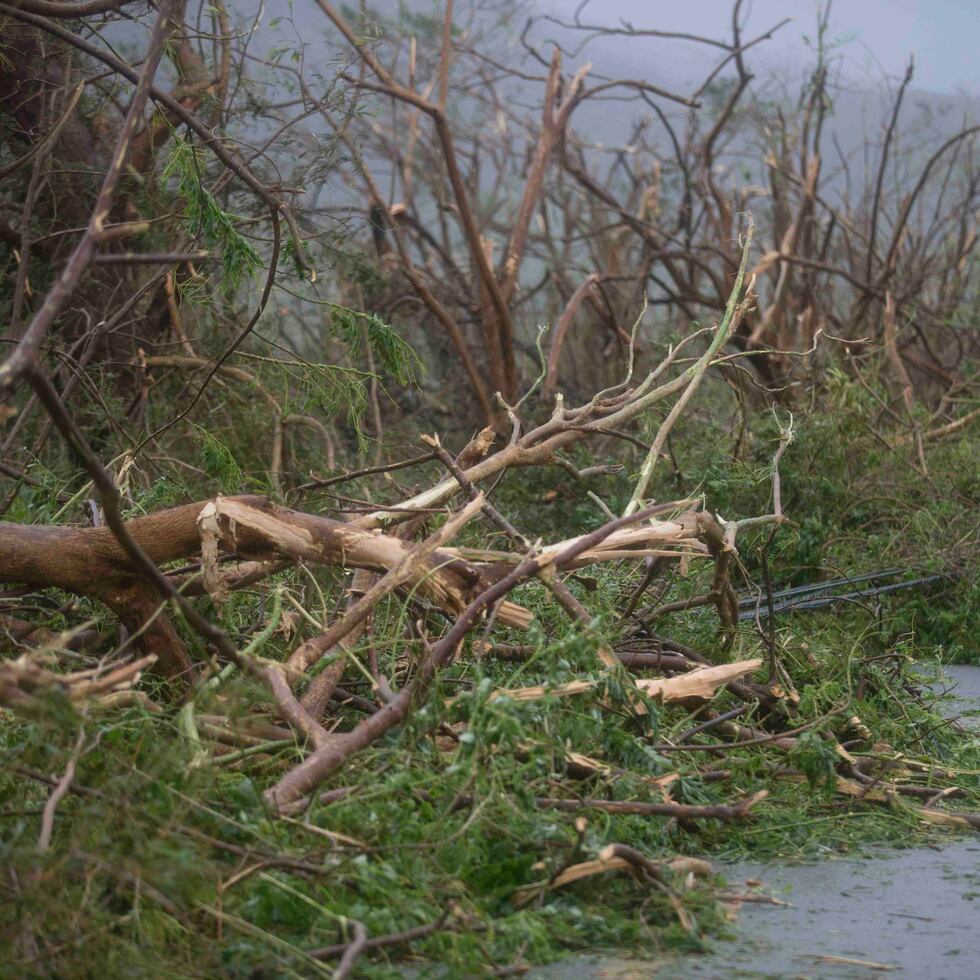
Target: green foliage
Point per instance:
(204, 217)
(163, 866)
(815, 757)
(395, 356)
(857, 505)
(333, 389)
(168, 869)
(219, 461)
(291, 256)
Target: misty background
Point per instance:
(871, 43)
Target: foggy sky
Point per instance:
(877, 36)
(874, 38)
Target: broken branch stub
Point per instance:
(277, 531)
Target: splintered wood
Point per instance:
(700, 683)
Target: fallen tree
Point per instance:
(321, 699)
(120, 564)
(238, 541)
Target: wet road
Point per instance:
(914, 913)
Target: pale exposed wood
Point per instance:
(701, 683)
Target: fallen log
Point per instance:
(91, 562)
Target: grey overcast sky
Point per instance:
(878, 35)
(942, 35)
